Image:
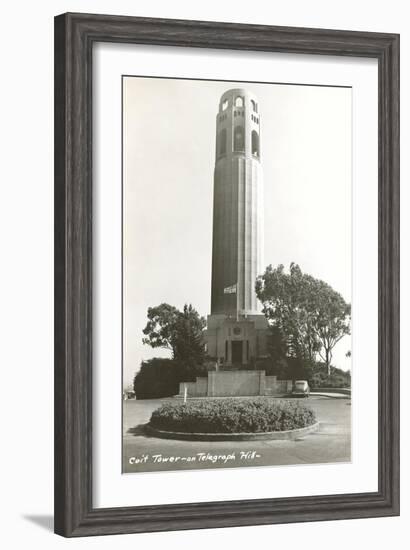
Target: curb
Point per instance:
(208, 398)
(261, 436)
(331, 396)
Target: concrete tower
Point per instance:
(236, 331)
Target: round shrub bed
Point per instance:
(232, 416)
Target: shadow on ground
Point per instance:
(139, 430)
(45, 522)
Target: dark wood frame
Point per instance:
(75, 35)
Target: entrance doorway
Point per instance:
(236, 351)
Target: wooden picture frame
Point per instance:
(75, 35)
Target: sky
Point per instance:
(168, 162)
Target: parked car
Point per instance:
(301, 387)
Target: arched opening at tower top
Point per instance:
(239, 139)
(255, 143)
(254, 106)
(239, 101)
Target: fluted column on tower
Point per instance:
(238, 205)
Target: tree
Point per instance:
(277, 344)
(179, 331)
(310, 316)
(189, 336)
(284, 298)
(331, 319)
(160, 327)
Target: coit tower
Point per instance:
(233, 332)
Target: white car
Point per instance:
(301, 387)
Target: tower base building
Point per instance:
(236, 343)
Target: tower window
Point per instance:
(254, 105)
(255, 143)
(239, 139)
(225, 105)
(222, 142)
(239, 101)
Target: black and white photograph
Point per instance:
(204, 235)
(237, 269)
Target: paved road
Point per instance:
(142, 453)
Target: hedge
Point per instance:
(160, 377)
(232, 416)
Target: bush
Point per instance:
(232, 416)
(337, 379)
(160, 377)
(156, 378)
